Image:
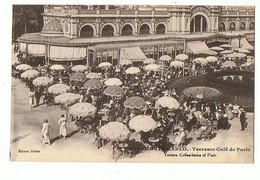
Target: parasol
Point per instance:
(57, 67)
(241, 50)
(152, 67)
(229, 64)
(216, 48)
(165, 58)
(126, 62)
(201, 61)
(113, 81)
(177, 64)
(169, 102)
(69, 98)
(92, 75)
(23, 67)
(78, 76)
(132, 70)
(93, 84)
(42, 81)
(114, 91)
(211, 59)
(114, 131)
(149, 61)
(83, 110)
(30, 74)
(142, 123)
(201, 92)
(104, 65)
(57, 89)
(79, 68)
(182, 57)
(134, 102)
(226, 46)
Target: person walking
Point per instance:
(45, 132)
(243, 120)
(31, 98)
(63, 126)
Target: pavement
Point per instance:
(26, 145)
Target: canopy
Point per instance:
(79, 68)
(113, 81)
(134, 102)
(243, 44)
(30, 74)
(36, 49)
(125, 62)
(23, 67)
(57, 89)
(177, 64)
(42, 81)
(226, 52)
(201, 61)
(242, 50)
(132, 53)
(78, 76)
(152, 67)
(226, 46)
(198, 47)
(211, 59)
(57, 67)
(93, 84)
(168, 102)
(68, 98)
(142, 123)
(237, 55)
(83, 110)
(132, 70)
(114, 131)
(114, 91)
(104, 65)
(59, 53)
(165, 58)
(149, 61)
(229, 64)
(182, 57)
(92, 75)
(216, 48)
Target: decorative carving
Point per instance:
(201, 9)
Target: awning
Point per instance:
(243, 43)
(22, 47)
(36, 49)
(198, 47)
(132, 53)
(58, 53)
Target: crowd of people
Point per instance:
(174, 126)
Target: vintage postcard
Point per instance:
(133, 83)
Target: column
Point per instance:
(194, 24)
(87, 57)
(118, 20)
(136, 26)
(98, 33)
(201, 24)
(153, 31)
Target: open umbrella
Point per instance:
(226, 46)
(79, 68)
(69, 98)
(149, 61)
(78, 76)
(42, 81)
(23, 67)
(239, 55)
(132, 70)
(168, 102)
(114, 91)
(165, 58)
(57, 89)
(241, 50)
(114, 131)
(201, 92)
(93, 84)
(125, 62)
(211, 59)
(226, 52)
(57, 67)
(182, 57)
(216, 48)
(104, 65)
(113, 81)
(152, 67)
(201, 61)
(92, 75)
(176, 64)
(83, 110)
(30, 74)
(142, 123)
(134, 102)
(229, 64)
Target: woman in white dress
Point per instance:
(63, 126)
(45, 132)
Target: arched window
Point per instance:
(144, 29)
(87, 31)
(160, 29)
(127, 30)
(198, 24)
(243, 26)
(232, 26)
(108, 30)
(222, 26)
(252, 26)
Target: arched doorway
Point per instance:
(87, 31)
(144, 29)
(107, 31)
(127, 30)
(252, 26)
(160, 29)
(232, 26)
(198, 24)
(243, 26)
(222, 26)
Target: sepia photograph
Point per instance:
(132, 83)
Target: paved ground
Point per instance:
(26, 126)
